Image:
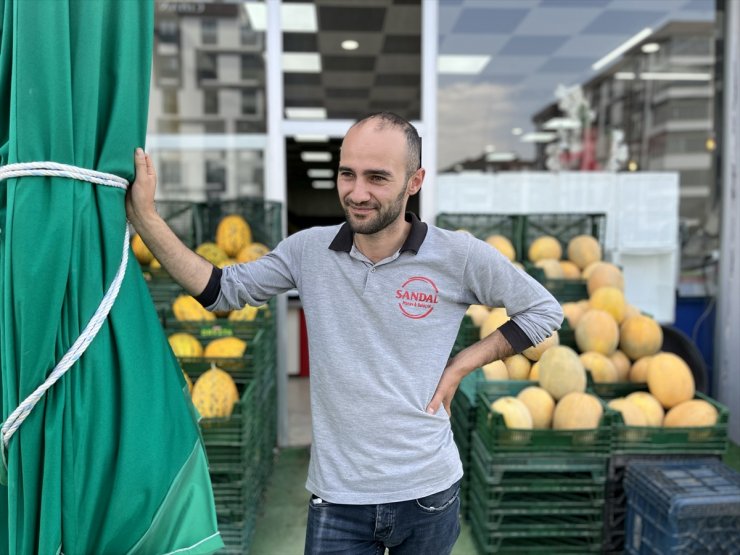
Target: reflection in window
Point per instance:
(169, 101)
(250, 102)
(210, 101)
(206, 66)
(215, 172)
(251, 67)
(170, 170)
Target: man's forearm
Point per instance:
(186, 267)
(488, 349)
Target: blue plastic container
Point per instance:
(682, 507)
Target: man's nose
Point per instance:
(360, 192)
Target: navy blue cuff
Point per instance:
(210, 293)
(515, 336)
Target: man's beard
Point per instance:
(383, 218)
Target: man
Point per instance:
(384, 295)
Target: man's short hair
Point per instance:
(413, 140)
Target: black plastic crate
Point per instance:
(682, 507)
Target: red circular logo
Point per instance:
(417, 297)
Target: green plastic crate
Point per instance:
(563, 227)
(467, 334)
(564, 290)
(500, 439)
(709, 440)
(485, 225)
(264, 218)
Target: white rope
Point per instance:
(17, 417)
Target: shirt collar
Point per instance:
(343, 239)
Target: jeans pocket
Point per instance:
(438, 502)
(317, 502)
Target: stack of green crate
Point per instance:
(535, 491)
(631, 443)
(462, 421)
(467, 334)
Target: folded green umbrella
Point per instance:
(110, 460)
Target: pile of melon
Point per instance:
(214, 393)
(616, 343)
(233, 244)
(187, 309)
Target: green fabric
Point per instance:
(106, 454)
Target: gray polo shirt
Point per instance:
(379, 338)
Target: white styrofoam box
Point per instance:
(648, 210)
(650, 282)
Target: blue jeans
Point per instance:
(426, 526)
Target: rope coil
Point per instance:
(54, 169)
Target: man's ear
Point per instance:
(416, 181)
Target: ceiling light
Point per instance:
(322, 184)
(711, 144)
(667, 76)
(320, 173)
(312, 138)
(650, 47)
(632, 166)
(301, 62)
(311, 156)
(517, 131)
(305, 113)
(296, 18)
(622, 48)
(500, 157)
(350, 44)
(462, 65)
(625, 75)
(554, 124)
(489, 148)
(538, 137)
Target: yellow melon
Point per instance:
(495, 319)
(518, 266)
(540, 405)
(588, 270)
(503, 245)
(639, 370)
(640, 336)
(251, 252)
(515, 413)
(622, 364)
(650, 407)
(570, 270)
(609, 299)
(518, 367)
(584, 250)
(561, 372)
(631, 413)
(245, 314)
(605, 274)
(573, 312)
(233, 234)
(187, 309)
(495, 370)
(227, 262)
(551, 268)
(597, 331)
(185, 345)
(577, 411)
(141, 251)
(631, 310)
(225, 347)
(545, 246)
(601, 367)
(691, 414)
(212, 252)
(215, 394)
(670, 379)
(478, 314)
(534, 352)
(534, 372)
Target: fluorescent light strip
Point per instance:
(561, 123)
(625, 75)
(305, 113)
(668, 76)
(322, 184)
(622, 48)
(538, 137)
(297, 18)
(301, 62)
(320, 173)
(312, 138)
(461, 65)
(312, 156)
(500, 157)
